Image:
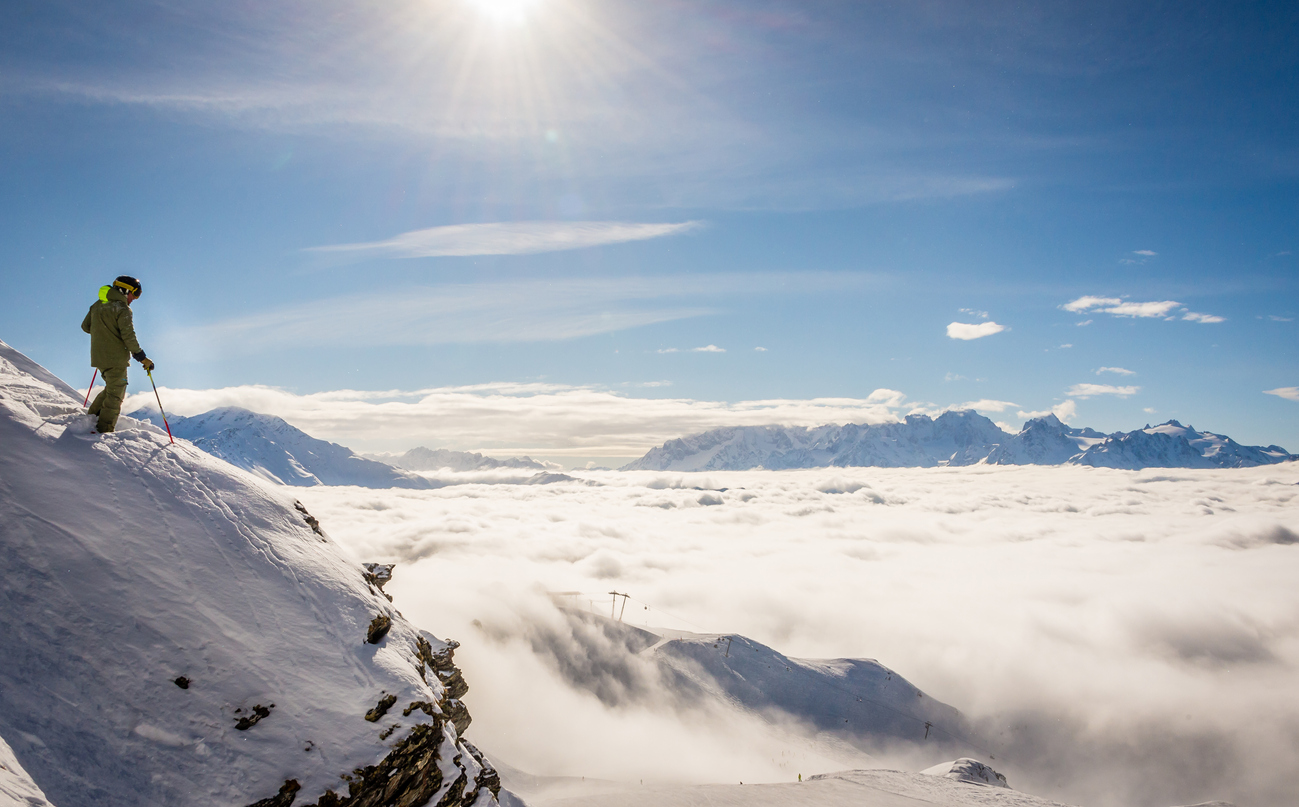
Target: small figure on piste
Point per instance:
(112, 345)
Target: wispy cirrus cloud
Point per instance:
(704, 349)
(1115, 370)
(1089, 390)
(966, 331)
(506, 238)
(1289, 393)
(500, 312)
(1155, 309)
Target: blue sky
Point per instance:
(454, 193)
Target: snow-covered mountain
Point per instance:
(274, 450)
(437, 459)
(177, 634)
(953, 438)
(858, 701)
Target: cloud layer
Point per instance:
(1122, 637)
(506, 238)
(516, 311)
(548, 419)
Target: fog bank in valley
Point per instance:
(1114, 637)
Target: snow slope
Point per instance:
(953, 438)
(177, 634)
(860, 788)
(276, 451)
(17, 788)
(857, 701)
(1223, 451)
(861, 700)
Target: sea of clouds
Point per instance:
(1115, 637)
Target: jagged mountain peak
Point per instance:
(955, 437)
(274, 449)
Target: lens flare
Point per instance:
(505, 11)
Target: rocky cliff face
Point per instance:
(176, 634)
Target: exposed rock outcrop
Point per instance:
(177, 633)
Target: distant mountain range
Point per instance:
(953, 438)
(269, 447)
(436, 459)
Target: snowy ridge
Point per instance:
(430, 459)
(17, 788)
(176, 633)
(953, 438)
(968, 770)
(859, 701)
(269, 447)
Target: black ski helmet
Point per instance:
(129, 285)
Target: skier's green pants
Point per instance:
(108, 403)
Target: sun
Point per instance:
(505, 11)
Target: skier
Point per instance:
(112, 345)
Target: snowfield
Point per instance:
(1115, 637)
(178, 632)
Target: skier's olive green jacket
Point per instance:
(111, 329)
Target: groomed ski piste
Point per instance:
(176, 632)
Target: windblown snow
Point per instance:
(176, 633)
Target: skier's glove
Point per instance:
(144, 360)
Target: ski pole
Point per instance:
(93, 376)
(164, 414)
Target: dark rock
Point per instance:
(309, 519)
(379, 627)
(288, 792)
(381, 709)
(248, 721)
(487, 777)
(407, 777)
(458, 714)
(424, 706)
(412, 773)
(182, 682)
(376, 574)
